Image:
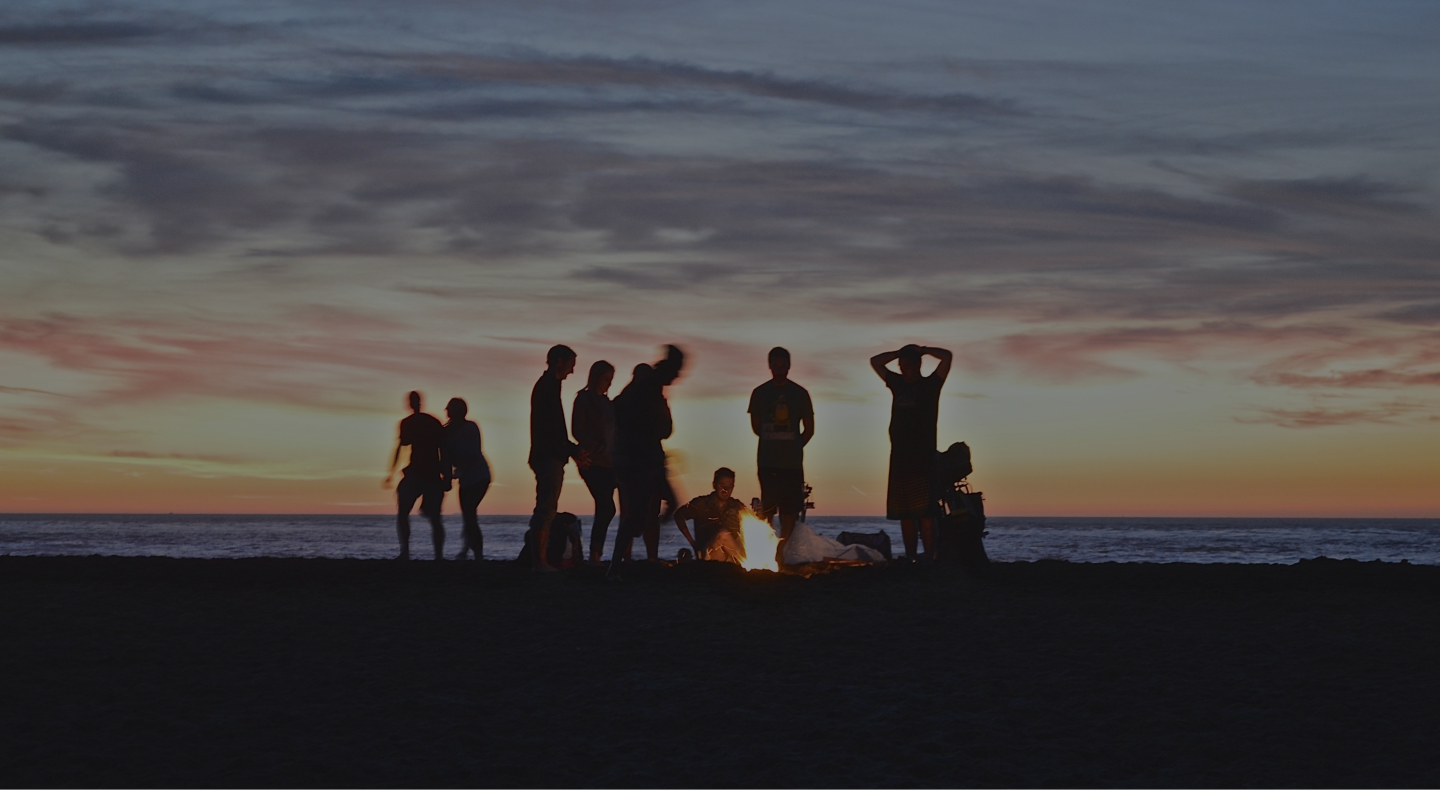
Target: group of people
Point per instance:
(618, 446)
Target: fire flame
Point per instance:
(760, 543)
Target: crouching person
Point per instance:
(716, 517)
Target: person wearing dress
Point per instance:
(914, 412)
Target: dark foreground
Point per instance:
(335, 672)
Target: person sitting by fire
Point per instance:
(717, 521)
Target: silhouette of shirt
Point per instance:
(780, 409)
(462, 440)
(425, 436)
(548, 438)
(717, 527)
(914, 411)
(642, 422)
(592, 421)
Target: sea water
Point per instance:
(1206, 540)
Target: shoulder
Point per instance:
(796, 389)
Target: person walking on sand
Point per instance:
(642, 424)
(550, 450)
(592, 423)
(782, 415)
(467, 456)
(914, 412)
(426, 478)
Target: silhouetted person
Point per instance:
(914, 412)
(550, 448)
(467, 457)
(717, 521)
(642, 423)
(782, 416)
(426, 478)
(592, 422)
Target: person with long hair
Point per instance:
(642, 424)
(592, 423)
(467, 457)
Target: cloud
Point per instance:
(1427, 314)
(1391, 413)
(325, 361)
(650, 74)
(75, 33)
(1356, 196)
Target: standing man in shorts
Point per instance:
(782, 416)
(426, 478)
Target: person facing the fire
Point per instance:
(782, 416)
(717, 521)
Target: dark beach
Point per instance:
(278, 672)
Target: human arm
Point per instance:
(879, 361)
(945, 357)
(394, 462)
(666, 423)
(807, 429)
(681, 515)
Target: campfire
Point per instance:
(759, 543)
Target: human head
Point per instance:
(456, 409)
(669, 367)
(910, 361)
(602, 373)
(724, 483)
(560, 361)
(414, 400)
(779, 362)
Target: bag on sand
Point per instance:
(805, 546)
(564, 550)
(878, 541)
(960, 531)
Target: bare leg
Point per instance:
(437, 535)
(908, 535)
(927, 534)
(787, 525)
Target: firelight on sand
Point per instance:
(760, 543)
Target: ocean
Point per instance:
(1011, 538)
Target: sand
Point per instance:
(266, 672)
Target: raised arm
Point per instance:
(945, 357)
(879, 361)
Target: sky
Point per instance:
(1186, 255)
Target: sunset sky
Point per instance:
(1186, 254)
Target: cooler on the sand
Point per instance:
(960, 530)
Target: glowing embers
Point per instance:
(759, 543)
